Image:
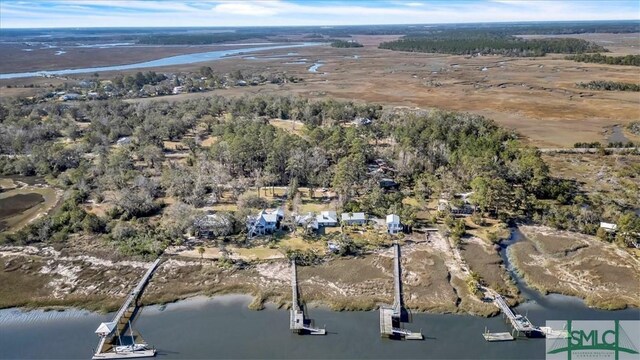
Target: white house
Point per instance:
(394, 225)
(354, 218)
(307, 220)
(266, 222)
(327, 219)
(177, 90)
(123, 141)
(609, 227)
(315, 222)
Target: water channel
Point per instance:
(171, 60)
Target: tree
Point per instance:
(152, 154)
(628, 229)
(489, 193)
(192, 144)
(258, 179)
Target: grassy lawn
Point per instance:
(289, 126)
(315, 206)
(296, 242)
(222, 207)
(257, 253)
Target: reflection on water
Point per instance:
(315, 67)
(224, 327)
(617, 135)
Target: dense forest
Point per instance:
(489, 44)
(198, 39)
(609, 86)
(346, 44)
(631, 60)
(74, 147)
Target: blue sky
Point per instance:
(159, 13)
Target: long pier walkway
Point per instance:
(297, 320)
(112, 333)
(392, 317)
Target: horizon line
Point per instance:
(314, 26)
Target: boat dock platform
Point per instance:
(392, 317)
(115, 343)
(297, 321)
(519, 323)
(500, 336)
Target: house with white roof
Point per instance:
(317, 221)
(266, 222)
(609, 227)
(327, 219)
(394, 225)
(358, 218)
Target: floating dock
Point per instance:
(392, 317)
(115, 343)
(297, 321)
(500, 336)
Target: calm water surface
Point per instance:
(171, 60)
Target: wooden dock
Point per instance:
(392, 317)
(112, 333)
(519, 323)
(500, 336)
(297, 320)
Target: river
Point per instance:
(223, 327)
(171, 60)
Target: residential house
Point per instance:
(70, 96)
(177, 90)
(316, 222)
(609, 227)
(394, 225)
(467, 208)
(212, 225)
(123, 141)
(388, 184)
(327, 219)
(266, 222)
(360, 121)
(354, 218)
(307, 220)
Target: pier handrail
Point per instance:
(135, 293)
(294, 287)
(397, 281)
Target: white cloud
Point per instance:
(88, 13)
(256, 8)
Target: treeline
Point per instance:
(197, 39)
(345, 44)
(609, 86)
(631, 60)
(598, 145)
(490, 44)
(137, 81)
